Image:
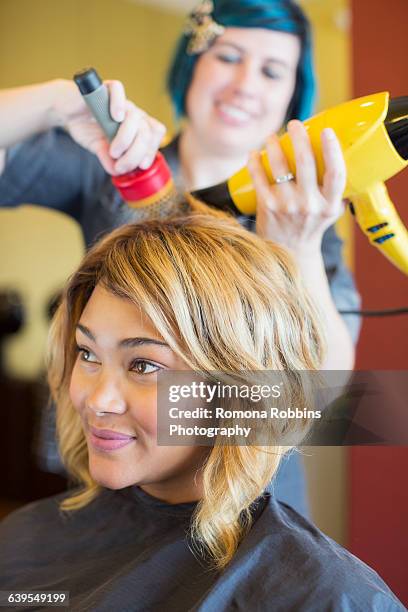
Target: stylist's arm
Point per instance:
(25, 111)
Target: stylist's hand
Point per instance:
(295, 214)
(136, 142)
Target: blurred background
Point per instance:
(359, 496)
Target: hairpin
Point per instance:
(202, 28)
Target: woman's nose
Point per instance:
(106, 395)
(247, 79)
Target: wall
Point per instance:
(378, 491)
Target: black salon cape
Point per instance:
(128, 551)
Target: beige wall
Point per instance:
(45, 39)
(54, 38)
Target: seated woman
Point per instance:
(176, 527)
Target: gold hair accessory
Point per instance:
(202, 28)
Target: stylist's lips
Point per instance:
(108, 440)
(233, 114)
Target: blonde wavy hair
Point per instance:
(223, 299)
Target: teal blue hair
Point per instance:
(279, 15)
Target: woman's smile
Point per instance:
(108, 440)
(233, 115)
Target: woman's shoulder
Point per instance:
(301, 563)
(46, 515)
(28, 531)
(33, 515)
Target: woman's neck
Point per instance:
(201, 167)
(186, 485)
(171, 494)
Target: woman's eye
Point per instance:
(86, 355)
(271, 73)
(141, 366)
(229, 58)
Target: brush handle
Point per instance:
(96, 96)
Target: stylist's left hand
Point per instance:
(296, 213)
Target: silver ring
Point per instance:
(285, 178)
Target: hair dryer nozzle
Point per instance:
(396, 124)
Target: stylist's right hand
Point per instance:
(136, 142)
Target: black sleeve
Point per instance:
(50, 170)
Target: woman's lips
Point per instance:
(108, 440)
(233, 115)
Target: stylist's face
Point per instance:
(242, 87)
(114, 389)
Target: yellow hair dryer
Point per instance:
(373, 133)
